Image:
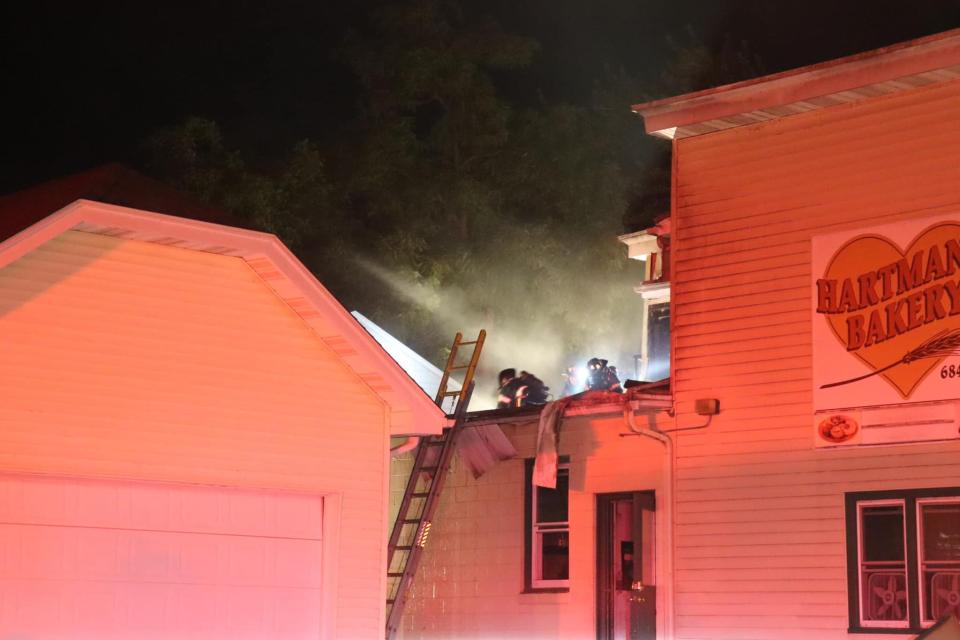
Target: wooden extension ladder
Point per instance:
(431, 464)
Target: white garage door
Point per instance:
(89, 560)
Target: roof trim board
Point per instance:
(411, 411)
(901, 67)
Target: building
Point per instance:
(815, 240)
(195, 434)
(508, 560)
(784, 188)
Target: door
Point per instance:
(105, 560)
(626, 570)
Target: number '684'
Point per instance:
(953, 371)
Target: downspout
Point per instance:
(669, 499)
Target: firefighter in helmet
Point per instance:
(520, 391)
(601, 377)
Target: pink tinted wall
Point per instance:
(124, 359)
(470, 584)
(759, 527)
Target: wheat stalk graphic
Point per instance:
(940, 345)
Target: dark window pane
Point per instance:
(556, 556)
(941, 531)
(882, 531)
(658, 342)
(552, 503)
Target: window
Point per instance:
(903, 558)
(547, 539)
(883, 564)
(939, 557)
(658, 342)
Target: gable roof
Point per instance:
(900, 67)
(111, 183)
(411, 410)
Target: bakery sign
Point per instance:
(886, 333)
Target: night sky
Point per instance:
(85, 82)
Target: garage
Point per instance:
(89, 559)
(194, 435)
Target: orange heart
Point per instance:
(867, 254)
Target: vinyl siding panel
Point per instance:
(125, 359)
(760, 543)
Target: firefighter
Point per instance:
(519, 391)
(508, 388)
(531, 390)
(572, 381)
(600, 377)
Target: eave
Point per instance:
(901, 67)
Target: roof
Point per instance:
(647, 397)
(481, 446)
(423, 372)
(411, 411)
(900, 67)
(110, 183)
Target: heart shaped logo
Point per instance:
(898, 311)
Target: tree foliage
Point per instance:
(444, 206)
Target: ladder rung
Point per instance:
(426, 481)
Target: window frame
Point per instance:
(532, 557)
(882, 624)
(912, 501)
(921, 502)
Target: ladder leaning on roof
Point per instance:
(431, 463)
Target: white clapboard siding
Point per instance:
(125, 359)
(759, 528)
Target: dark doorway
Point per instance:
(626, 569)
